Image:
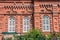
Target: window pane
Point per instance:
(46, 23)
(11, 24)
(26, 24)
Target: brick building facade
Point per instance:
(20, 16)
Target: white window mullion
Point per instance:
(46, 24)
(26, 25)
(11, 24)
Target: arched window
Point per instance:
(46, 23)
(11, 24)
(26, 24)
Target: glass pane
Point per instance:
(46, 23)
(11, 24)
(26, 23)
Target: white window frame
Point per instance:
(11, 26)
(44, 19)
(27, 28)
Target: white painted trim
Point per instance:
(26, 25)
(45, 25)
(9, 25)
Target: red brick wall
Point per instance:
(19, 14)
(54, 17)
